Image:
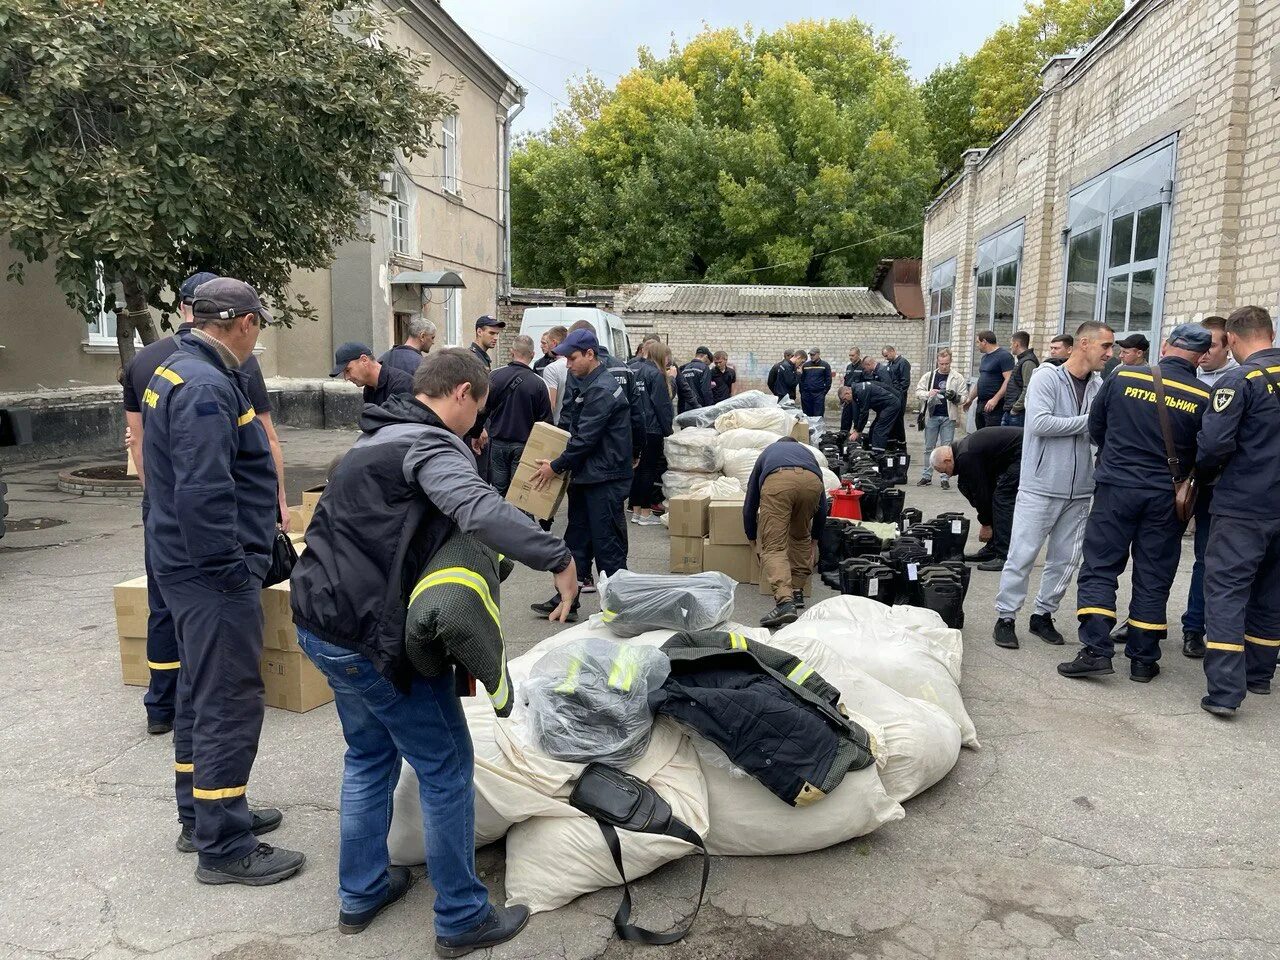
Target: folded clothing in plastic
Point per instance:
(774, 419)
(589, 700)
(713, 485)
(707, 416)
(771, 713)
(632, 603)
(696, 450)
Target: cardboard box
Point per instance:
(545, 443)
(543, 503)
(687, 516)
(133, 662)
(296, 528)
(801, 431)
(686, 554)
(131, 608)
(278, 631)
(309, 500)
(725, 523)
(130, 468)
(292, 682)
(736, 560)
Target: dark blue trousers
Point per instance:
(812, 402)
(1125, 520)
(219, 712)
(162, 646)
(882, 430)
(846, 418)
(1242, 606)
(597, 526)
(1193, 616)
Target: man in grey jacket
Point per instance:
(1056, 485)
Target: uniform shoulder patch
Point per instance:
(1222, 398)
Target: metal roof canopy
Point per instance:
(429, 278)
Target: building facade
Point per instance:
(1141, 188)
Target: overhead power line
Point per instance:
(824, 253)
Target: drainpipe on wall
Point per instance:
(506, 198)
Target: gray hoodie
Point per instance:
(1057, 460)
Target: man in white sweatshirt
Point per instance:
(1056, 485)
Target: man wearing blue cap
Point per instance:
(162, 644)
(598, 458)
(354, 363)
(1138, 417)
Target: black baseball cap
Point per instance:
(225, 297)
(1134, 341)
(187, 292)
(351, 350)
(701, 350)
(488, 321)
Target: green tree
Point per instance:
(798, 156)
(948, 95)
(143, 139)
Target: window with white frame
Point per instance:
(1117, 240)
(449, 145)
(997, 269)
(942, 292)
(400, 212)
(453, 316)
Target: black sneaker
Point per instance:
(1193, 644)
(263, 821)
(548, 607)
(1086, 664)
(797, 599)
(1004, 634)
(946, 483)
(1143, 672)
(1042, 626)
(401, 880)
(1261, 688)
(264, 865)
(1217, 709)
(502, 924)
(986, 553)
(924, 482)
(783, 613)
(158, 727)
(995, 563)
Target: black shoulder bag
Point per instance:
(283, 557)
(617, 799)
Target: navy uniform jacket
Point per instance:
(403, 357)
(481, 354)
(654, 395)
(598, 417)
(786, 452)
(815, 377)
(898, 373)
(1124, 425)
(868, 396)
(853, 373)
(392, 381)
(1240, 436)
(517, 400)
(138, 373)
(626, 379)
(783, 379)
(693, 386)
(211, 482)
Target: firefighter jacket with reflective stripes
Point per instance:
(767, 710)
(211, 482)
(454, 619)
(1240, 435)
(1124, 425)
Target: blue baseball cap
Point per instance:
(351, 350)
(488, 321)
(577, 340)
(187, 292)
(1191, 336)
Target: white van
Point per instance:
(610, 330)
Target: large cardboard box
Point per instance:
(296, 527)
(543, 503)
(133, 662)
(130, 467)
(278, 631)
(309, 500)
(736, 560)
(545, 443)
(686, 554)
(725, 521)
(800, 431)
(687, 516)
(131, 608)
(292, 682)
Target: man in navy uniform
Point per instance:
(815, 383)
(1133, 503)
(417, 344)
(693, 382)
(784, 376)
(898, 371)
(1240, 437)
(354, 363)
(883, 399)
(211, 523)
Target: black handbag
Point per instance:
(283, 557)
(617, 799)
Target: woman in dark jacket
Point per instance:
(650, 364)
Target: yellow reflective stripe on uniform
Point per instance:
(168, 665)
(184, 767)
(800, 673)
(224, 793)
(246, 417)
(1142, 625)
(169, 375)
(1257, 373)
(1231, 647)
(1187, 388)
(570, 682)
(463, 577)
(737, 641)
(1099, 610)
(1262, 642)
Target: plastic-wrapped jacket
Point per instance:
(707, 416)
(634, 603)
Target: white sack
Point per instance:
(897, 657)
(695, 450)
(774, 419)
(738, 465)
(866, 614)
(743, 439)
(713, 485)
(707, 416)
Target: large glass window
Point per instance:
(942, 291)
(997, 268)
(1117, 245)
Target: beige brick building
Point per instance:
(1142, 187)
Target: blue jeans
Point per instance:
(938, 432)
(1013, 420)
(427, 727)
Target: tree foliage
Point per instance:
(150, 138)
(948, 95)
(782, 157)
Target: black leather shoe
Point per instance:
(264, 865)
(158, 727)
(401, 880)
(797, 599)
(986, 553)
(782, 614)
(1193, 644)
(995, 563)
(263, 821)
(1004, 634)
(1042, 626)
(1261, 688)
(1086, 664)
(502, 924)
(1143, 672)
(1217, 709)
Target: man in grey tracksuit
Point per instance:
(1056, 486)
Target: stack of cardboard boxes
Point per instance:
(709, 534)
(545, 443)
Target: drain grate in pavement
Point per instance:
(32, 523)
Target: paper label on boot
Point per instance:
(955, 526)
(902, 461)
(873, 587)
(928, 545)
(911, 571)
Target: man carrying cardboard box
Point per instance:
(784, 513)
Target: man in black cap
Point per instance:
(488, 329)
(211, 522)
(354, 363)
(693, 382)
(162, 644)
(1130, 352)
(815, 384)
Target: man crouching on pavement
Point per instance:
(405, 486)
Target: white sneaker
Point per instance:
(649, 521)
(635, 518)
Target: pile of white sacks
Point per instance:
(717, 460)
(898, 670)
